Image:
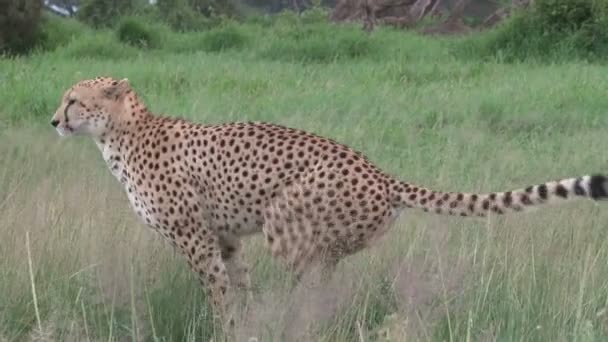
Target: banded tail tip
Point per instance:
(598, 186)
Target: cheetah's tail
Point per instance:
(469, 204)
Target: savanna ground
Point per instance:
(416, 106)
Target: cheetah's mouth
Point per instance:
(64, 130)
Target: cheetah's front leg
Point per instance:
(205, 259)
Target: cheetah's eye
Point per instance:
(71, 102)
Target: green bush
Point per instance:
(223, 38)
(261, 20)
(318, 43)
(563, 15)
(19, 25)
(195, 15)
(315, 15)
(57, 31)
(105, 13)
(553, 29)
(100, 45)
(135, 32)
(185, 19)
(287, 18)
(213, 8)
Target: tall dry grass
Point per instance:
(99, 274)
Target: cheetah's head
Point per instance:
(91, 106)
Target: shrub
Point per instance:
(287, 17)
(185, 19)
(104, 13)
(554, 29)
(563, 15)
(318, 43)
(19, 25)
(261, 20)
(223, 38)
(195, 15)
(136, 33)
(101, 45)
(213, 8)
(58, 31)
(315, 15)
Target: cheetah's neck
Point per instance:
(118, 144)
(115, 158)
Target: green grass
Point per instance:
(416, 109)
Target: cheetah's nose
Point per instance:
(54, 123)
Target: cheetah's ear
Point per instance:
(117, 89)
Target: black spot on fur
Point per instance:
(507, 199)
(525, 199)
(561, 191)
(542, 191)
(578, 188)
(485, 204)
(597, 187)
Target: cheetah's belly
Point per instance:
(235, 220)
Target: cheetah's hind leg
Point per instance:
(238, 270)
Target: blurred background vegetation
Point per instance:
(509, 30)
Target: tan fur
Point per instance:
(205, 187)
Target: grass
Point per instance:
(409, 103)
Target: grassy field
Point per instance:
(414, 105)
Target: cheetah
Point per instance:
(316, 201)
